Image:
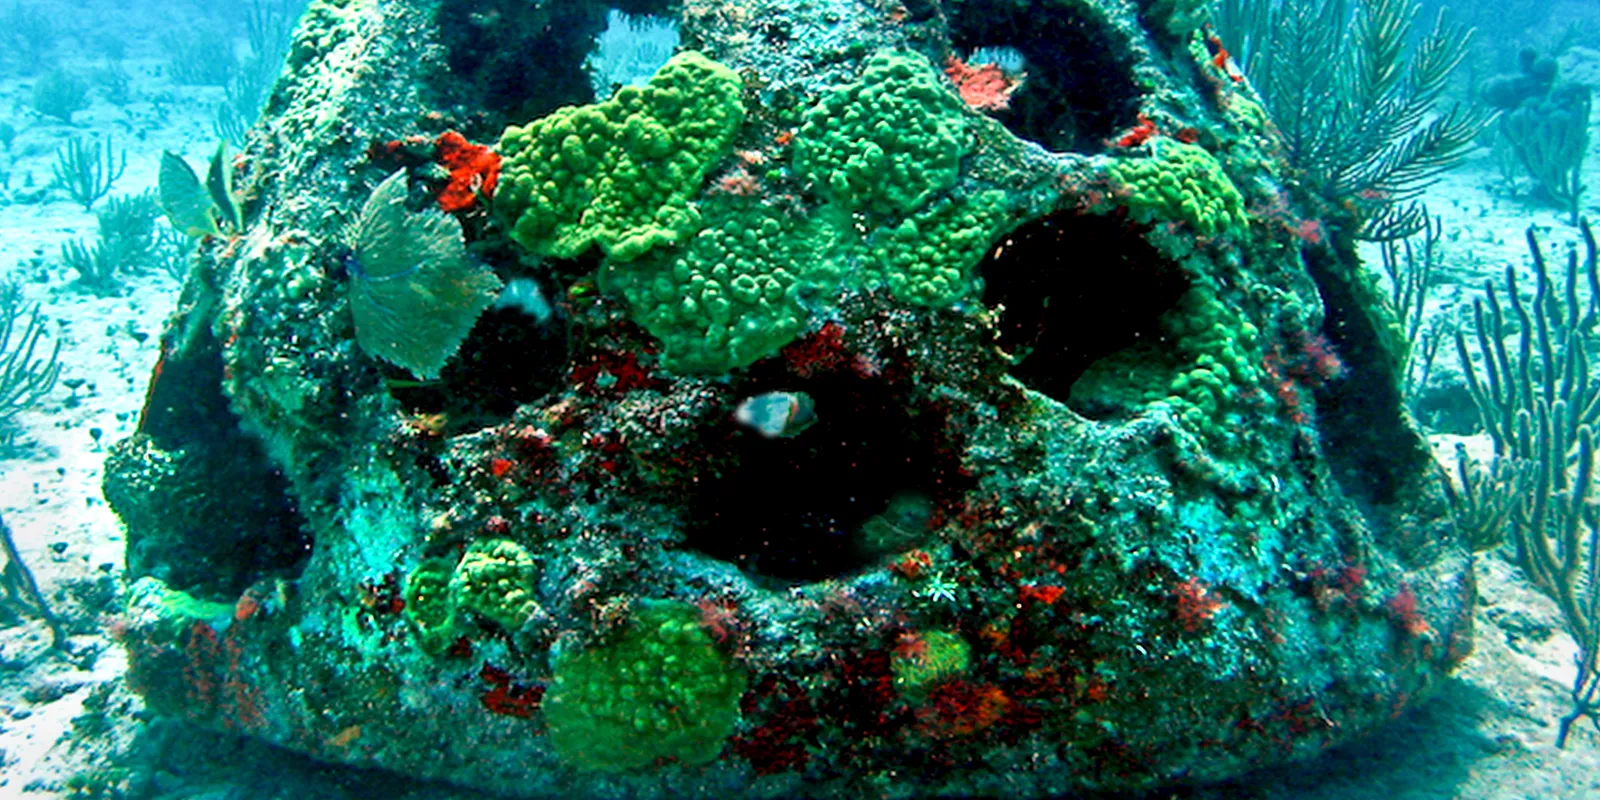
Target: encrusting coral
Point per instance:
(620, 174)
(661, 690)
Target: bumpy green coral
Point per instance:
(730, 297)
(495, 579)
(742, 284)
(888, 141)
(619, 174)
(1180, 182)
(927, 258)
(1223, 351)
(661, 690)
(937, 657)
(428, 605)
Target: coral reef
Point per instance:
(1095, 474)
(661, 691)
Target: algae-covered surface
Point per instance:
(769, 398)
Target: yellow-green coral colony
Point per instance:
(660, 690)
(887, 142)
(1180, 182)
(717, 281)
(494, 581)
(620, 174)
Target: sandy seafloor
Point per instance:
(1488, 734)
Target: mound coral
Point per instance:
(495, 580)
(888, 141)
(620, 174)
(661, 690)
(1180, 182)
(730, 297)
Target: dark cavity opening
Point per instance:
(523, 60)
(513, 356)
(1082, 298)
(857, 485)
(206, 510)
(1373, 452)
(1079, 91)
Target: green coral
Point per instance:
(428, 605)
(731, 296)
(620, 174)
(661, 690)
(1222, 352)
(1180, 182)
(725, 281)
(936, 658)
(927, 259)
(887, 142)
(495, 580)
(178, 610)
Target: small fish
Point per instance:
(777, 415)
(524, 295)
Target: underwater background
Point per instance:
(136, 185)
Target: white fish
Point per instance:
(777, 415)
(524, 294)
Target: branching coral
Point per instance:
(26, 373)
(1357, 98)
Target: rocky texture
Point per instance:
(1125, 499)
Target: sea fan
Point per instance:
(413, 291)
